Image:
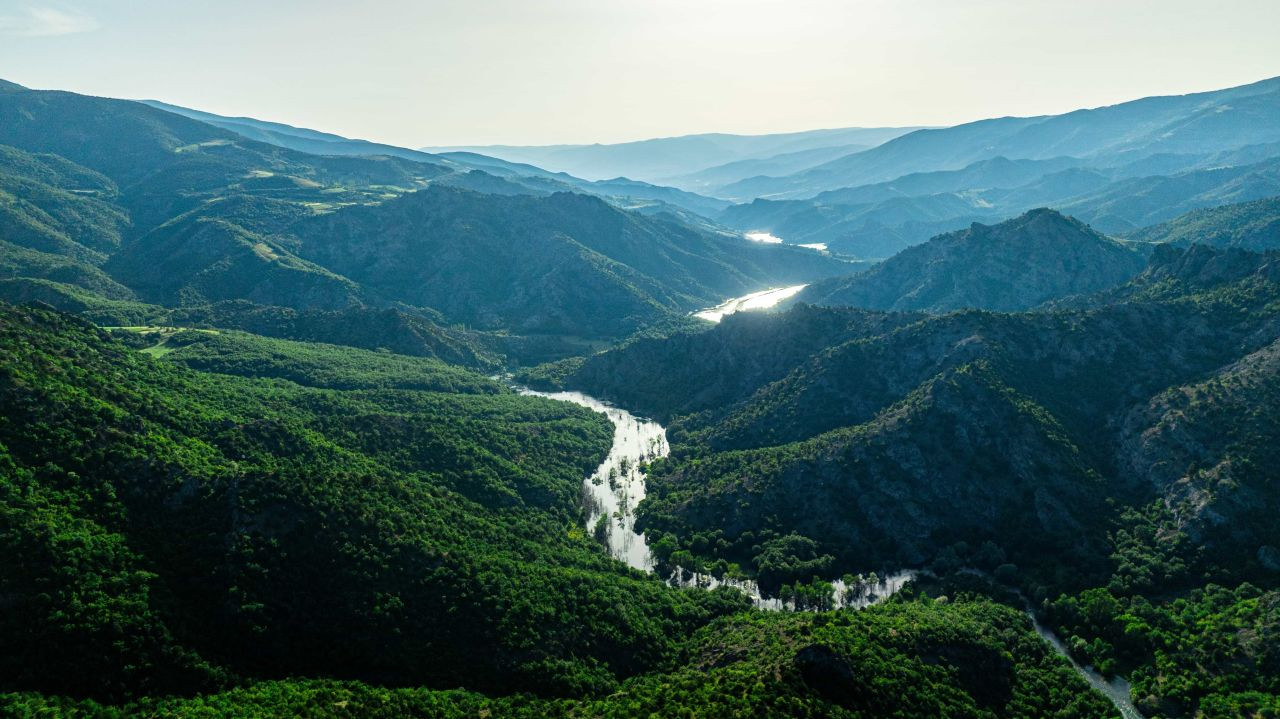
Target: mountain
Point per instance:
(262, 452)
(1015, 265)
(1126, 205)
(50, 204)
(877, 220)
(180, 213)
(563, 264)
(1247, 225)
(997, 172)
(663, 160)
(202, 257)
(1194, 123)
(297, 138)
(187, 527)
(164, 164)
(709, 180)
(1114, 454)
(518, 177)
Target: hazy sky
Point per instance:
(437, 72)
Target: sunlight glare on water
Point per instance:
(754, 301)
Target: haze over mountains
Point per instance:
(694, 162)
(193, 214)
(1118, 168)
(271, 445)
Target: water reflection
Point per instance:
(754, 301)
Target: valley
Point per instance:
(617, 486)
(974, 420)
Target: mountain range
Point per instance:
(692, 162)
(178, 212)
(1194, 124)
(271, 445)
(1121, 441)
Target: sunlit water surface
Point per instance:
(761, 300)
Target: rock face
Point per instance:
(1208, 449)
(1015, 265)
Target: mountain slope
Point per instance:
(664, 159)
(302, 139)
(1015, 265)
(394, 528)
(521, 175)
(871, 403)
(1125, 205)
(186, 214)
(1113, 451)
(709, 180)
(880, 219)
(1200, 122)
(52, 205)
(185, 529)
(164, 164)
(563, 264)
(198, 259)
(1248, 225)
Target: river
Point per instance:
(616, 487)
(1116, 688)
(761, 300)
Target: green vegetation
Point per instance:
(261, 470)
(182, 530)
(904, 659)
(1248, 226)
(1015, 265)
(318, 365)
(19, 262)
(1214, 652)
(186, 214)
(52, 205)
(1125, 440)
(392, 527)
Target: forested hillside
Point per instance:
(271, 445)
(298, 509)
(1127, 444)
(180, 213)
(1015, 265)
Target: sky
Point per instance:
(467, 72)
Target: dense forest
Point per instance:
(168, 524)
(1118, 446)
(266, 450)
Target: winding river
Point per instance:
(613, 491)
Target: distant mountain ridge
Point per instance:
(877, 220)
(1199, 122)
(1015, 265)
(526, 177)
(680, 160)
